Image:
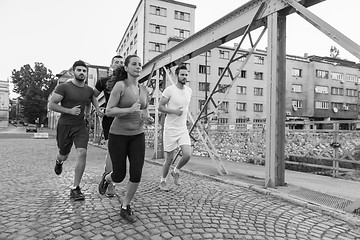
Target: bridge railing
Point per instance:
(330, 147)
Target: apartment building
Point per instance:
(153, 23)
(4, 104)
(317, 88)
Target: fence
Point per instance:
(320, 147)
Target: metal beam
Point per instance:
(327, 29)
(275, 104)
(221, 31)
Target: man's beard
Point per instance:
(80, 79)
(182, 81)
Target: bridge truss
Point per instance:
(269, 15)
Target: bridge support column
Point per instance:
(275, 104)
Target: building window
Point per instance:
(160, 11)
(336, 105)
(337, 76)
(259, 60)
(182, 16)
(208, 54)
(158, 29)
(351, 92)
(202, 103)
(296, 72)
(223, 87)
(241, 106)
(224, 54)
(135, 39)
(240, 120)
(296, 88)
(157, 47)
(322, 74)
(261, 120)
(241, 90)
(258, 107)
(258, 91)
(182, 33)
(203, 86)
(221, 70)
(258, 75)
(242, 74)
(351, 78)
(135, 22)
(241, 57)
(296, 104)
(321, 105)
(322, 89)
(337, 91)
(204, 69)
(224, 106)
(223, 121)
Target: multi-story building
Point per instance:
(152, 24)
(317, 88)
(4, 103)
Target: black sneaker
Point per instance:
(127, 214)
(103, 185)
(58, 167)
(76, 194)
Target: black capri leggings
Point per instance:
(121, 147)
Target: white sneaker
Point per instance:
(110, 192)
(176, 177)
(163, 186)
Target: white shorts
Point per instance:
(175, 137)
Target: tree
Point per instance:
(34, 87)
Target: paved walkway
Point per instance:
(35, 204)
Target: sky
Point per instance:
(59, 32)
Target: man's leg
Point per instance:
(108, 163)
(75, 191)
(169, 156)
(110, 192)
(80, 165)
(60, 159)
(186, 154)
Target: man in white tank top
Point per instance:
(175, 103)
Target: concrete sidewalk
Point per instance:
(316, 189)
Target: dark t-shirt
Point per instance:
(101, 86)
(74, 96)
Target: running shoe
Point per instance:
(58, 167)
(76, 194)
(110, 192)
(176, 177)
(163, 186)
(103, 184)
(127, 214)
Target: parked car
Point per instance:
(31, 128)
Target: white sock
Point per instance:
(163, 179)
(176, 170)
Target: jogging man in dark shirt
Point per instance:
(103, 85)
(72, 99)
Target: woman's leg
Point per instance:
(136, 160)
